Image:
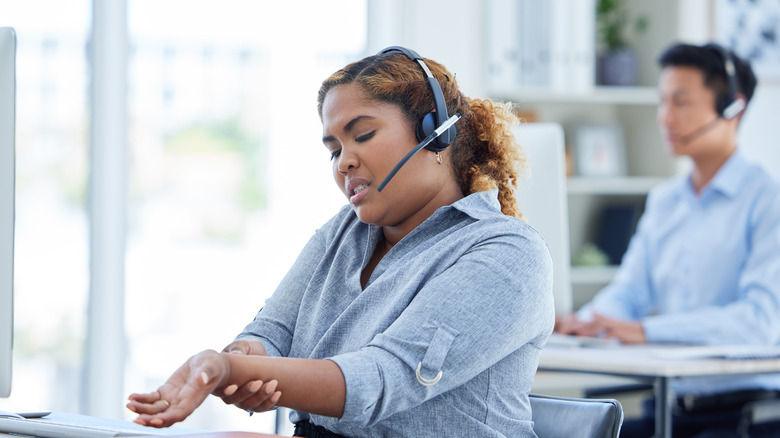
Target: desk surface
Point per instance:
(206, 435)
(646, 361)
(230, 435)
(49, 424)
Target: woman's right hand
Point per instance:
(250, 347)
(255, 395)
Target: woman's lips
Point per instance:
(359, 192)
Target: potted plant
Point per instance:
(617, 60)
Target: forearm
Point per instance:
(316, 386)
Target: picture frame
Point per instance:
(598, 150)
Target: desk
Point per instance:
(230, 435)
(127, 426)
(206, 435)
(641, 362)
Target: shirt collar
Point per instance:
(479, 205)
(730, 176)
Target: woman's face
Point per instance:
(366, 140)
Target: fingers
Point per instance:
(268, 403)
(253, 396)
(235, 395)
(237, 347)
(565, 324)
(246, 346)
(149, 397)
(148, 408)
(163, 419)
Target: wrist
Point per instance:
(227, 367)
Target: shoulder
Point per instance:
(668, 191)
(490, 223)
(512, 243)
(763, 191)
(758, 180)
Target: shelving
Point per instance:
(596, 95)
(597, 275)
(636, 185)
(633, 108)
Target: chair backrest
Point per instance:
(542, 198)
(562, 417)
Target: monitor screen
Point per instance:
(7, 176)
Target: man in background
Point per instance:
(704, 264)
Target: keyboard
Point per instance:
(572, 341)
(62, 425)
(733, 352)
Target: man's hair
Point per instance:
(709, 59)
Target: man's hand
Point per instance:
(627, 332)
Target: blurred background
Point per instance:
(225, 177)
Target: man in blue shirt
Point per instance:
(704, 264)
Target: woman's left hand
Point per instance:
(254, 396)
(183, 392)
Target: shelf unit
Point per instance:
(633, 108)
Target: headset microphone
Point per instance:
(727, 106)
(426, 141)
(699, 131)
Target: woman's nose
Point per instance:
(347, 161)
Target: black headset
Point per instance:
(433, 120)
(728, 106)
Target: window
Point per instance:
(228, 175)
(51, 250)
(227, 179)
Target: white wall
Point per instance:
(758, 135)
(447, 31)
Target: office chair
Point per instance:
(758, 412)
(566, 417)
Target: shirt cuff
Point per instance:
(658, 330)
(364, 386)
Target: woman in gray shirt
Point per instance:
(421, 307)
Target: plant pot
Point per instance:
(617, 67)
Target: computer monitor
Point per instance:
(542, 199)
(7, 176)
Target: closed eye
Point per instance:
(335, 154)
(366, 137)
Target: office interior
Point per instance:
(152, 224)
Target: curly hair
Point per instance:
(484, 154)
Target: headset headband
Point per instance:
(439, 104)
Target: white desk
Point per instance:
(641, 362)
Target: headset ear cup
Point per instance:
(722, 103)
(426, 127)
(734, 109)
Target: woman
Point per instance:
(417, 310)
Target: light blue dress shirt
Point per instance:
(705, 269)
(467, 294)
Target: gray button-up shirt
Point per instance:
(443, 341)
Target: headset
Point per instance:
(436, 130)
(728, 106)
(433, 120)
